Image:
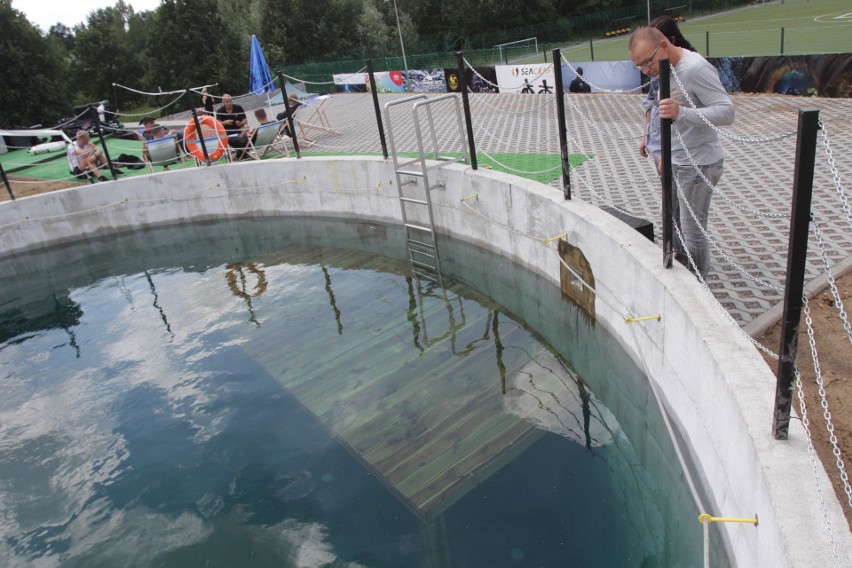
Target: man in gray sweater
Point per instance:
(699, 104)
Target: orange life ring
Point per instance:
(210, 128)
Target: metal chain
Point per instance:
(838, 300)
(594, 125)
(718, 305)
(150, 112)
(834, 173)
(685, 202)
(714, 189)
(602, 89)
(814, 469)
(475, 72)
(835, 449)
(716, 128)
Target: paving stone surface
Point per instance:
(749, 221)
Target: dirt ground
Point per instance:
(835, 362)
(833, 347)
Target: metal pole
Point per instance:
(466, 104)
(666, 136)
(399, 29)
(377, 108)
(592, 47)
(649, 12)
(562, 129)
(797, 250)
(290, 122)
(707, 43)
(93, 111)
(782, 40)
(198, 132)
(6, 181)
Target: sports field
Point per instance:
(809, 27)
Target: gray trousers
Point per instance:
(698, 196)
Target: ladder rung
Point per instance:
(418, 227)
(421, 243)
(410, 200)
(410, 173)
(421, 253)
(423, 265)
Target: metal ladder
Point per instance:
(419, 225)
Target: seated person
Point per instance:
(294, 103)
(206, 101)
(578, 85)
(88, 156)
(232, 116)
(246, 134)
(147, 122)
(159, 131)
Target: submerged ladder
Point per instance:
(414, 187)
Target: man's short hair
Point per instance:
(644, 33)
(147, 120)
(82, 134)
(260, 113)
(157, 130)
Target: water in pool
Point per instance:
(281, 392)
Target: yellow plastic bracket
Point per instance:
(705, 518)
(299, 179)
(469, 197)
(556, 238)
(382, 183)
(645, 318)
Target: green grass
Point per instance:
(810, 27)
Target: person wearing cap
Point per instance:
(147, 122)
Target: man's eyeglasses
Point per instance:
(650, 60)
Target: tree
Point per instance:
(189, 44)
(103, 53)
(32, 72)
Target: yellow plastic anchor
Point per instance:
(469, 197)
(645, 318)
(386, 182)
(299, 179)
(705, 518)
(556, 238)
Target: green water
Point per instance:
(186, 397)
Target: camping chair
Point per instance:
(162, 152)
(318, 119)
(268, 137)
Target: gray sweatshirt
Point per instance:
(701, 82)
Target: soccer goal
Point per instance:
(519, 48)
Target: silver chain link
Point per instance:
(835, 449)
(831, 164)
(714, 189)
(814, 467)
(719, 130)
(838, 300)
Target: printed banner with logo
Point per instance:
(388, 82)
(801, 75)
(526, 79)
(482, 81)
(351, 82)
(604, 75)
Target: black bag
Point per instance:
(130, 162)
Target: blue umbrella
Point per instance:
(260, 80)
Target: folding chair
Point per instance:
(318, 119)
(268, 136)
(162, 152)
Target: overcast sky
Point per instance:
(45, 13)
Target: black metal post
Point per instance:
(466, 104)
(561, 128)
(707, 43)
(94, 113)
(782, 40)
(666, 136)
(797, 250)
(290, 110)
(592, 48)
(376, 108)
(6, 181)
(198, 133)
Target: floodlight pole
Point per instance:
(399, 30)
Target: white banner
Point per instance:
(526, 79)
(604, 75)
